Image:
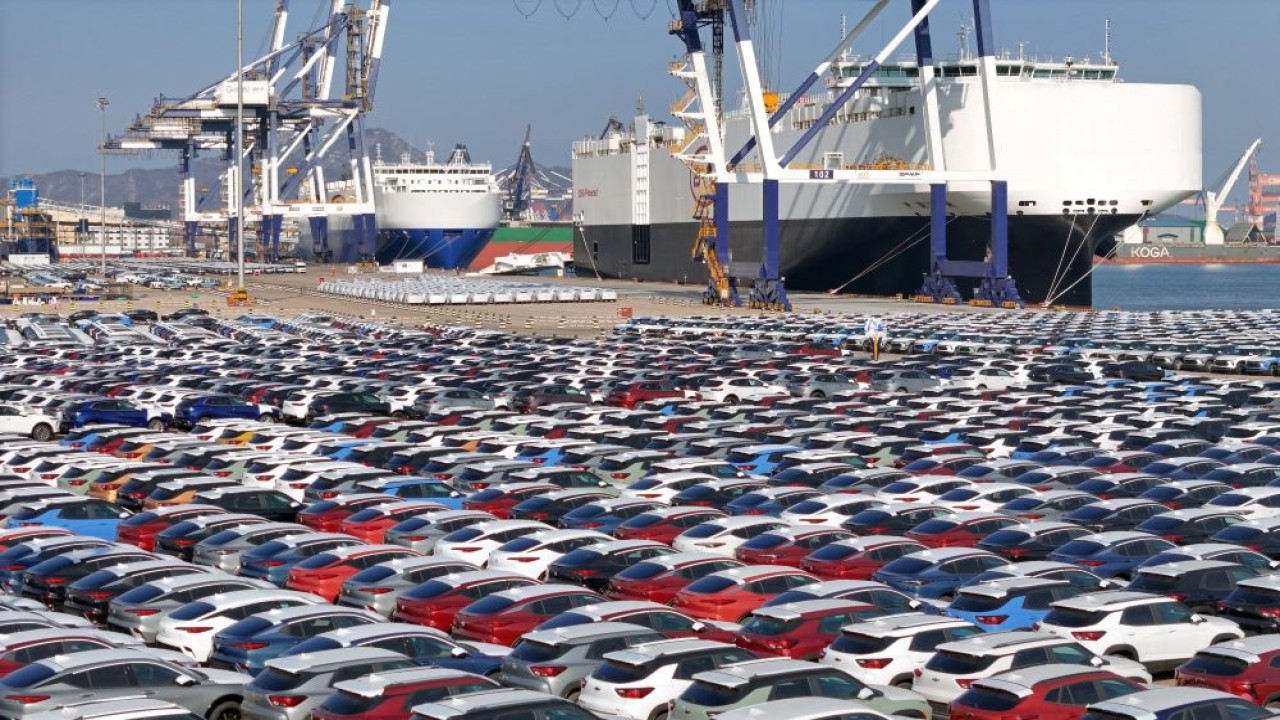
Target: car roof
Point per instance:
(1021, 681)
(1182, 567)
(741, 673)
(460, 705)
(325, 660)
(904, 625)
(1109, 600)
(1000, 643)
(1001, 587)
(1147, 703)
(647, 652)
(375, 684)
(586, 632)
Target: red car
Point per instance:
(499, 499)
(371, 523)
(436, 602)
(800, 630)
(1242, 667)
(327, 515)
(632, 394)
(645, 614)
(964, 529)
(323, 574)
(503, 617)
(659, 578)
(1044, 692)
(664, 524)
(859, 558)
(141, 530)
(731, 594)
(788, 546)
(391, 695)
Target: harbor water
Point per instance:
(1187, 287)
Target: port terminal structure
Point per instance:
(295, 114)
(707, 155)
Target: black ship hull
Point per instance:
(1050, 257)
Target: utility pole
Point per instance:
(82, 223)
(239, 205)
(102, 150)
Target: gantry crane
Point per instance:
(294, 116)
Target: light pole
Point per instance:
(239, 144)
(102, 150)
(83, 223)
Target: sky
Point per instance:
(478, 71)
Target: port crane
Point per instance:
(296, 112)
(521, 181)
(1213, 200)
(758, 162)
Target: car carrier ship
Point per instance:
(1086, 155)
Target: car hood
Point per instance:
(1127, 668)
(484, 648)
(897, 695)
(225, 677)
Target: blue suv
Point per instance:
(108, 410)
(192, 410)
(1015, 603)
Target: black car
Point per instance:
(717, 493)
(182, 313)
(1060, 375)
(1119, 485)
(546, 507)
(91, 595)
(890, 521)
(595, 566)
(47, 581)
(1136, 370)
(1189, 526)
(267, 503)
(1185, 493)
(345, 402)
(1260, 534)
(1031, 541)
(180, 538)
(1124, 514)
(142, 315)
(1199, 584)
(1254, 604)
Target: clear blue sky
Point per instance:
(477, 71)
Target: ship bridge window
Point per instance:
(1108, 74)
(1026, 203)
(1040, 74)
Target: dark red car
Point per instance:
(858, 558)
(435, 603)
(499, 499)
(942, 464)
(503, 617)
(141, 530)
(664, 524)
(323, 574)
(327, 515)
(729, 595)
(1242, 667)
(788, 546)
(659, 578)
(391, 695)
(1044, 692)
(964, 529)
(1123, 461)
(800, 630)
(371, 523)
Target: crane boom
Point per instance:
(1214, 200)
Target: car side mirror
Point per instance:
(1197, 618)
(915, 604)
(458, 652)
(1097, 661)
(698, 626)
(602, 483)
(184, 681)
(866, 693)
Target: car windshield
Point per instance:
(709, 695)
(276, 680)
(854, 643)
(1006, 538)
(29, 676)
(966, 602)
(935, 526)
(1229, 500)
(988, 699)
(1081, 548)
(346, 704)
(711, 584)
(641, 571)
(619, 673)
(951, 662)
(1072, 617)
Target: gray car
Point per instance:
(903, 381)
(376, 588)
(307, 680)
(451, 398)
(821, 385)
(578, 649)
(140, 610)
(119, 672)
(223, 550)
(123, 709)
(420, 533)
(514, 703)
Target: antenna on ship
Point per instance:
(1106, 48)
(1022, 50)
(377, 153)
(963, 34)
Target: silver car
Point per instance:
(119, 672)
(448, 399)
(904, 381)
(420, 533)
(224, 550)
(122, 709)
(140, 610)
(578, 650)
(376, 588)
(307, 680)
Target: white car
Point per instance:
(828, 510)
(475, 543)
(531, 555)
(889, 650)
(1155, 630)
(190, 628)
(723, 536)
(983, 497)
(956, 664)
(664, 486)
(733, 390)
(639, 682)
(922, 488)
(37, 426)
(984, 378)
(1251, 502)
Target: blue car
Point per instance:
(192, 410)
(1015, 603)
(81, 515)
(770, 501)
(110, 411)
(760, 459)
(936, 574)
(16, 560)
(1111, 554)
(272, 560)
(248, 644)
(606, 515)
(424, 646)
(414, 488)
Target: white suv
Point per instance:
(36, 426)
(889, 651)
(640, 682)
(956, 664)
(1152, 629)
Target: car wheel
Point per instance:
(981, 387)
(1225, 638)
(158, 425)
(225, 710)
(266, 418)
(662, 715)
(911, 714)
(817, 394)
(903, 683)
(573, 695)
(731, 399)
(42, 432)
